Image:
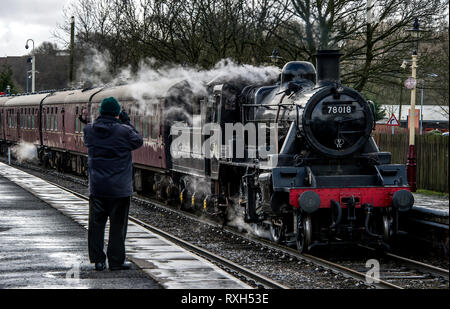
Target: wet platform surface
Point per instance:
(41, 248)
(431, 208)
(170, 265)
(438, 205)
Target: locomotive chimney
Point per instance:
(327, 66)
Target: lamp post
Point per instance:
(411, 163)
(33, 67)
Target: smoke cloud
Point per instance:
(151, 81)
(24, 152)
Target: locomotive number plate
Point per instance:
(338, 109)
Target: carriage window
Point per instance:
(50, 120)
(137, 120)
(154, 120)
(55, 120)
(145, 127)
(82, 125)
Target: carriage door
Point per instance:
(63, 126)
(19, 124)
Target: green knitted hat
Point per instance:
(110, 106)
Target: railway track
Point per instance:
(407, 271)
(239, 271)
(242, 273)
(423, 268)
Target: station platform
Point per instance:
(43, 244)
(431, 209)
(40, 248)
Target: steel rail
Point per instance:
(379, 284)
(417, 265)
(348, 272)
(258, 280)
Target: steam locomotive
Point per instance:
(321, 179)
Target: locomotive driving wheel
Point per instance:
(304, 232)
(277, 231)
(387, 228)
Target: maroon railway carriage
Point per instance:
(146, 117)
(3, 120)
(62, 131)
(76, 102)
(21, 118)
(62, 140)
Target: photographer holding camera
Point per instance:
(110, 139)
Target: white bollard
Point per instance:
(9, 155)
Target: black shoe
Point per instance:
(100, 266)
(124, 266)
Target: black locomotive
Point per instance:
(326, 179)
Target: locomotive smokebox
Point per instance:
(327, 66)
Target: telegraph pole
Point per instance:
(72, 39)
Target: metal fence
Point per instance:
(431, 157)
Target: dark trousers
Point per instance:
(99, 210)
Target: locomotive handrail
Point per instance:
(256, 105)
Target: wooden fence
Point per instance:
(431, 157)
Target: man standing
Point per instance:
(110, 140)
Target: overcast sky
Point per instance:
(28, 19)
